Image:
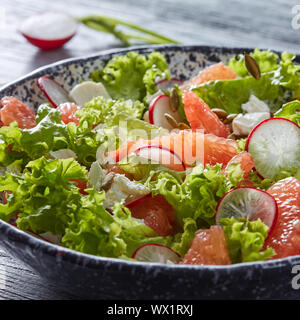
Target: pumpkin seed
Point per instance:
(222, 114)
(183, 126)
(230, 118)
(174, 100)
(171, 120)
(252, 66)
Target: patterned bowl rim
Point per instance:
(92, 261)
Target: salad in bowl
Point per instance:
(138, 165)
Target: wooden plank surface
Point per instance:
(263, 24)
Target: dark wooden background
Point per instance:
(239, 23)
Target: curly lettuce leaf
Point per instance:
(43, 195)
(245, 240)
(182, 241)
(279, 79)
(105, 110)
(197, 197)
(11, 148)
(290, 111)
(132, 76)
(267, 61)
(92, 229)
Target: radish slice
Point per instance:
(167, 85)
(157, 109)
(53, 91)
(250, 203)
(156, 253)
(49, 30)
(161, 154)
(275, 145)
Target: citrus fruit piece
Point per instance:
(156, 253)
(68, 110)
(200, 116)
(214, 72)
(275, 145)
(285, 238)
(249, 203)
(157, 213)
(245, 160)
(13, 109)
(208, 247)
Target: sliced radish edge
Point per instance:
(271, 199)
(165, 84)
(154, 146)
(156, 253)
(41, 82)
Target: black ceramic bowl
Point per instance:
(96, 277)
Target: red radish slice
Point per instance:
(157, 109)
(53, 91)
(167, 85)
(275, 146)
(250, 203)
(156, 253)
(49, 30)
(161, 154)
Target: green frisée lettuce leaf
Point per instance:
(279, 79)
(92, 229)
(231, 94)
(43, 195)
(197, 197)
(50, 134)
(267, 61)
(245, 240)
(11, 148)
(182, 241)
(132, 76)
(290, 111)
(105, 110)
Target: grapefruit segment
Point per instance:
(208, 247)
(200, 116)
(214, 72)
(13, 109)
(285, 238)
(68, 110)
(156, 212)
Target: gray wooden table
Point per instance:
(239, 23)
